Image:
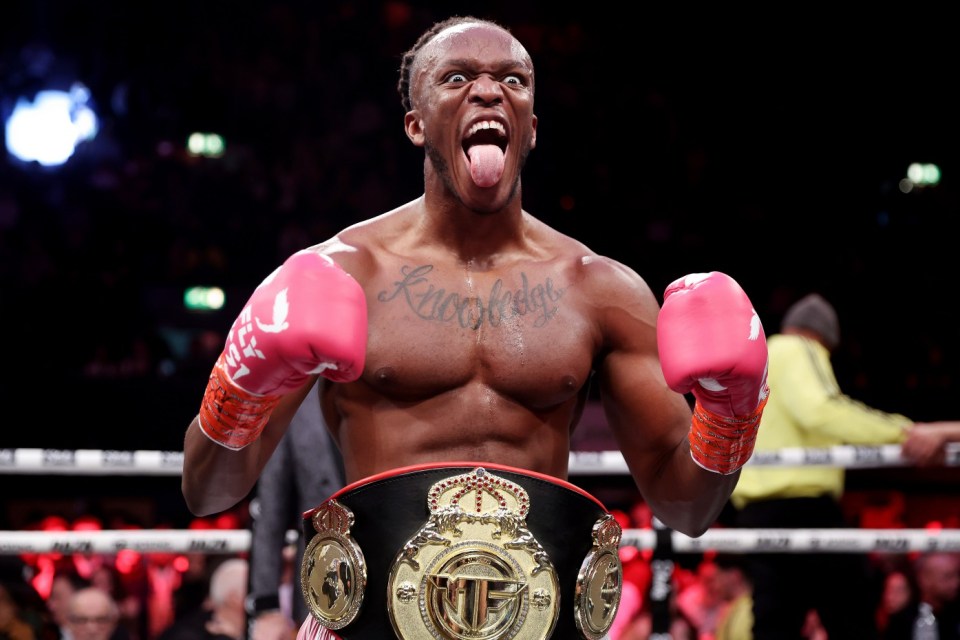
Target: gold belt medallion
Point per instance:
(333, 573)
(600, 581)
(473, 571)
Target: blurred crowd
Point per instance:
(165, 596)
(95, 255)
(642, 156)
(659, 173)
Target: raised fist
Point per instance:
(307, 317)
(712, 345)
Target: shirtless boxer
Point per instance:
(456, 337)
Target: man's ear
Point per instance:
(533, 137)
(414, 127)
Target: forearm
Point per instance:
(853, 422)
(216, 478)
(926, 442)
(305, 318)
(686, 497)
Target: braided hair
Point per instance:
(406, 63)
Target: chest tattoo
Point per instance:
(432, 303)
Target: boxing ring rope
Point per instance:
(170, 463)
(90, 462)
(228, 541)
(664, 544)
(848, 456)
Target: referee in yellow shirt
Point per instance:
(807, 409)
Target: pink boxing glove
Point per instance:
(712, 344)
(307, 317)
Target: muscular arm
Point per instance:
(706, 340)
(651, 422)
(216, 478)
(307, 317)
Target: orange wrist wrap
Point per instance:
(231, 416)
(720, 443)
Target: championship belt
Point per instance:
(454, 552)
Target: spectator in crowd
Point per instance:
(813, 628)
(700, 600)
(21, 604)
(13, 625)
(66, 582)
(304, 470)
(735, 621)
(641, 627)
(636, 570)
(808, 409)
(936, 605)
(129, 602)
(92, 614)
(631, 604)
(898, 593)
(224, 615)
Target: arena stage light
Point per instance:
(47, 128)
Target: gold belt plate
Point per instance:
(600, 581)
(474, 571)
(333, 572)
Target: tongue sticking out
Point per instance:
(486, 164)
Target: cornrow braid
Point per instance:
(406, 63)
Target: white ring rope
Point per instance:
(802, 540)
(90, 462)
(170, 463)
(720, 539)
(155, 541)
(847, 456)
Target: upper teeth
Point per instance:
(486, 124)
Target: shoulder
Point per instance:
(358, 249)
(794, 346)
(613, 286)
(350, 250)
(614, 276)
(191, 626)
(601, 273)
(619, 300)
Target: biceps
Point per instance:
(647, 418)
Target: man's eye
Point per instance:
(456, 77)
(513, 80)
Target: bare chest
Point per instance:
(523, 333)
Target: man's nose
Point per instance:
(486, 89)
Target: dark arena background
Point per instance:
(793, 152)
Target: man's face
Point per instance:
(472, 91)
(941, 579)
(91, 616)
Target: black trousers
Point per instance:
(843, 588)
